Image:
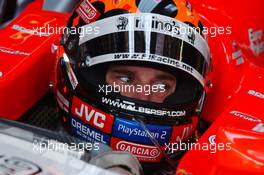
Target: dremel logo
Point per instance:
(83, 131)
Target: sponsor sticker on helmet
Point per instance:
(142, 152)
(181, 133)
(92, 116)
(132, 131)
(131, 106)
(87, 11)
(85, 132)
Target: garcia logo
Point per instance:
(142, 152)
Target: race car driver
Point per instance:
(154, 43)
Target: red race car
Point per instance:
(230, 135)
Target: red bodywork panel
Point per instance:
(235, 104)
(26, 59)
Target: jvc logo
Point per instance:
(91, 115)
(84, 112)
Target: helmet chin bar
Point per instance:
(82, 115)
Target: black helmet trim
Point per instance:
(148, 23)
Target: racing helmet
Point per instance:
(163, 35)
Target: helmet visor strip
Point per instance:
(146, 37)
